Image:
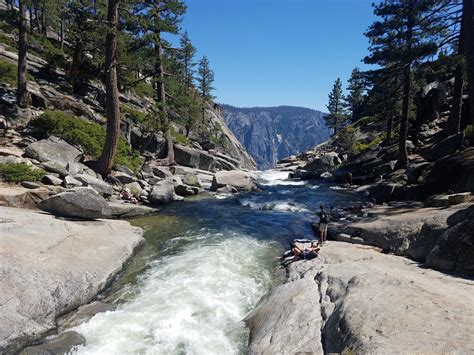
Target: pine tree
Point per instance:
(83, 17)
(152, 20)
(335, 106)
(205, 81)
(106, 160)
(22, 90)
(355, 97)
(406, 34)
(186, 57)
(468, 30)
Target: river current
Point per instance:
(205, 264)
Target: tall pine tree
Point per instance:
(335, 106)
(406, 34)
(205, 81)
(106, 160)
(355, 97)
(152, 20)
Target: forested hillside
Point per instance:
(101, 76)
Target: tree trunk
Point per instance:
(44, 28)
(37, 21)
(161, 94)
(22, 90)
(30, 11)
(468, 18)
(61, 31)
(456, 106)
(402, 143)
(106, 160)
(388, 140)
(76, 65)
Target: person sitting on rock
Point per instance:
(126, 195)
(323, 224)
(306, 253)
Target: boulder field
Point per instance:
(51, 266)
(353, 299)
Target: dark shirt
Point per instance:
(323, 218)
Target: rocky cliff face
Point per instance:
(272, 133)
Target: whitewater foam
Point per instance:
(189, 303)
(282, 206)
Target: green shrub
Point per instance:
(17, 172)
(142, 88)
(9, 43)
(136, 115)
(178, 137)
(469, 131)
(90, 136)
(8, 73)
(51, 53)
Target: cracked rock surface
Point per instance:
(50, 266)
(354, 299)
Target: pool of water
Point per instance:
(205, 264)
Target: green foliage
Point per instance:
(90, 136)
(8, 21)
(9, 43)
(8, 73)
(178, 137)
(348, 141)
(335, 106)
(205, 79)
(136, 115)
(469, 131)
(49, 52)
(143, 89)
(355, 96)
(17, 172)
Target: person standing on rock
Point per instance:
(323, 225)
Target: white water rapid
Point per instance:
(189, 303)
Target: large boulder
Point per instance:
(53, 148)
(447, 146)
(192, 180)
(62, 344)
(185, 190)
(454, 250)
(194, 158)
(162, 192)
(323, 163)
(80, 203)
(20, 197)
(98, 185)
(453, 173)
(240, 180)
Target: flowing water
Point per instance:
(205, 265)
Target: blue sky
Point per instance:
(279, 52)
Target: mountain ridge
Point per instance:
(272, 133)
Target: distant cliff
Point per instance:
(272, 133)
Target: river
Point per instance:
(205, 264)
